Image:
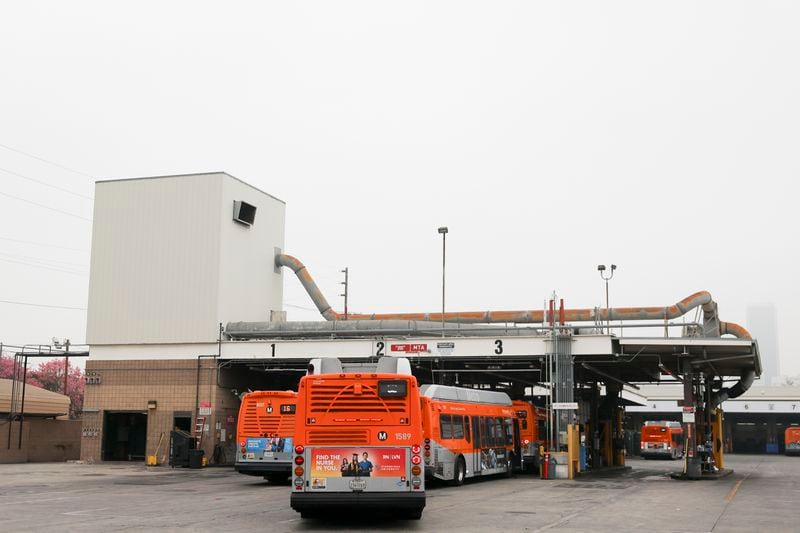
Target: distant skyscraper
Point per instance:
(762, 321)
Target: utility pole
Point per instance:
(66, 365)
(346, 284)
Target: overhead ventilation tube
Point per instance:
(712, 327)
(309, 285)
(738, 388)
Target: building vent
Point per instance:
(244, 213)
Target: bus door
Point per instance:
(517, 445)
(477, 436)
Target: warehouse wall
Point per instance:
(155, 260)
(43, 440)
(169, 263)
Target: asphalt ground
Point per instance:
(763, 494)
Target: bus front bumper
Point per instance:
(262, 469)
(656, 453)
(336, 502)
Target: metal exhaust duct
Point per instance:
(712, 326)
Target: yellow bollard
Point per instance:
(717, 437)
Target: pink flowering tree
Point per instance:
(49, 375)
(7, 371)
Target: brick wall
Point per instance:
(43, 440)
(172, 384)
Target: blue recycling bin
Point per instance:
(772, 447)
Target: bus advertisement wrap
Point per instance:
(358, 462)
(270, 445)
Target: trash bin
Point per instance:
(196, 458)
(180, 443)
(560, 467)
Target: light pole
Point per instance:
(346, 271)
(602, 270)
(443, 231)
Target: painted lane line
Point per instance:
(732, 494)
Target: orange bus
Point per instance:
(265, 432)
(792, 440)
(358, 442)
(662, 440)
(468, 433)
(531, 431)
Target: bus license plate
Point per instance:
(358, 484)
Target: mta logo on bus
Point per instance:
(382, 435)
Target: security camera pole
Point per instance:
(602, 269)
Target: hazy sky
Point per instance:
(549, 137)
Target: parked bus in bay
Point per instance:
(792, 440)
(468, 433)
(662, 440)
(358, 443)
(531, 432)
(265, 432)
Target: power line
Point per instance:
(42, 244)
(43, 160)
(43, 305)
(44, 267)
(44, 183)
(300, 307)
(45, 206)
(44, 260)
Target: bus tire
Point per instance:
(459, 473)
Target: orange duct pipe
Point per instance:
(537, 316)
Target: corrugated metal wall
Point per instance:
(167, 264)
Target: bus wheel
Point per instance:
(460, 472)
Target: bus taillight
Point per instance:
(298, 449)
(415, 449)
(242, 443)
(427, 441)
(299, 471)
(299, 460)
(416, 460)
(416, 470)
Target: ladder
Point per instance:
(199, 424)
